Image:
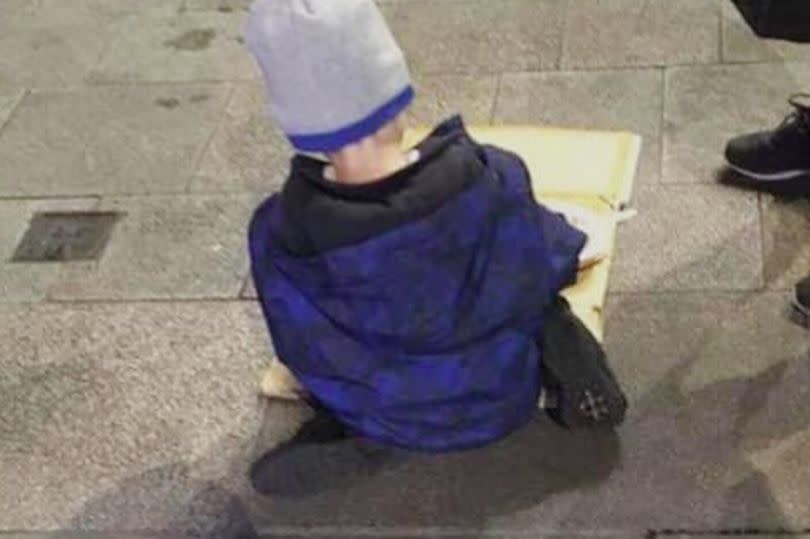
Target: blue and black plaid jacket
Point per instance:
(424, 336)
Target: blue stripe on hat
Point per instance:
(335, 140)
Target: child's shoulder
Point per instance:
(263, 216)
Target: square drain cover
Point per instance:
(65, 236)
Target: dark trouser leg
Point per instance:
(574, 365)
(322, 429)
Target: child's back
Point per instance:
(411, 307)
(410, 304)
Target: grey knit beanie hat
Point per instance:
(332, 70)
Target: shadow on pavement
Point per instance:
(396, 489)
(705, 457)
(359, 485)
(795, 187)
(168, 503)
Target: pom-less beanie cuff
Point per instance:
(335, 140)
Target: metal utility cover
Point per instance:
(66, 236)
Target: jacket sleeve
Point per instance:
(564, 241)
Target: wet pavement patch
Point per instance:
(193, 40)
(66, 236)
(168, 103)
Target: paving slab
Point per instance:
(625, 99)
(167, 248)
(36, 55)
(741, 44)
(58, 12)
(130, 416)
(441, 96)
(476, 36)
(707, 105)
(117, 139)
(30, 281)
(712, 337)
(13, 7)
(249, 153)
(785, 232)
(605, 33)
(689, 238)
(194, 46)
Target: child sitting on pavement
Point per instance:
(413, 294)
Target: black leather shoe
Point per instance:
(777, 155)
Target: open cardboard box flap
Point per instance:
(566, 163)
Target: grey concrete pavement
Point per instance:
(128, 402)
(641, 33)
(107, 140)
(625, 99)
(704, 237)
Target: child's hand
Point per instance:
(597, 247)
